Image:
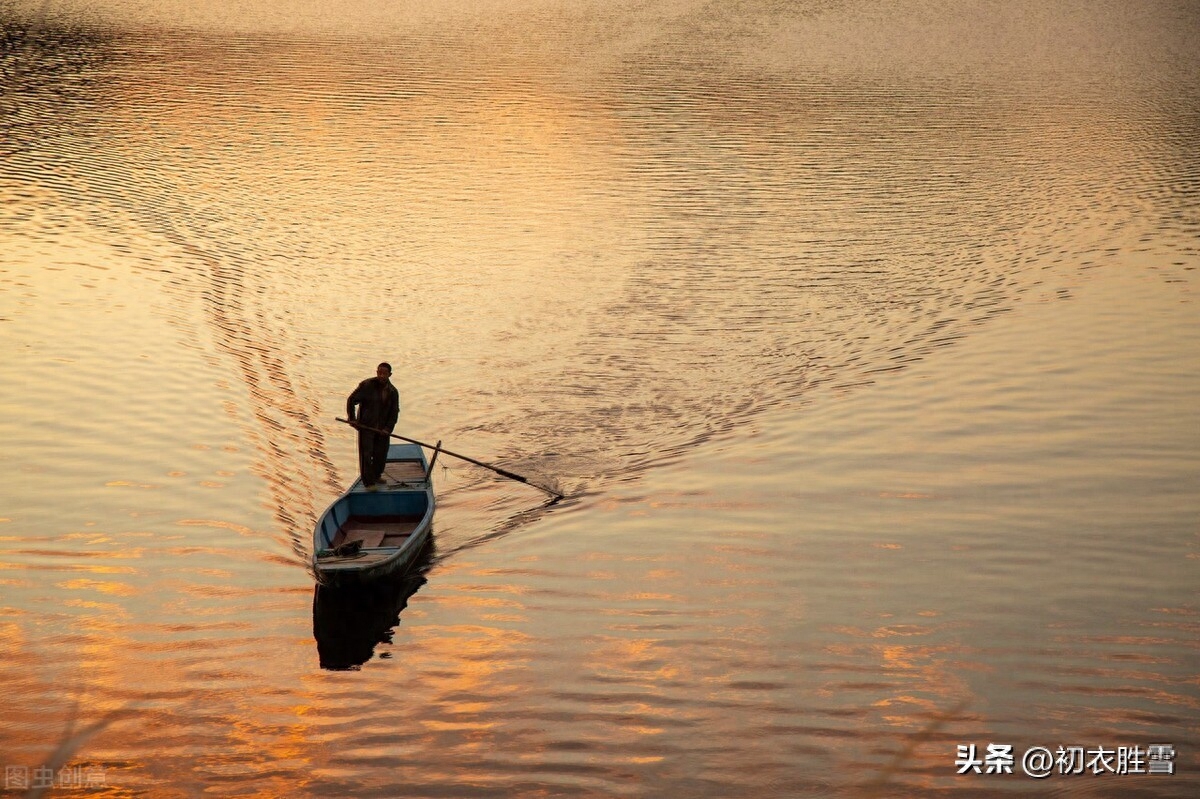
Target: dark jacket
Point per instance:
(378, 407)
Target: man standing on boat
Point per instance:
(378, 404)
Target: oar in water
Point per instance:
(439, 448)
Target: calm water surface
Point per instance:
(863, 339)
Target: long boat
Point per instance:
(371, 533)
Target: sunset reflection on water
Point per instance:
(862, 342)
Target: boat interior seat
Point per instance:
(373, 533)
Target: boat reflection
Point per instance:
(350, 621)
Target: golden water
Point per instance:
(862, 338)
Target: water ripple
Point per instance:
(590, 263)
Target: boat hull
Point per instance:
(391, 525)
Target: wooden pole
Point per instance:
(439, 448)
